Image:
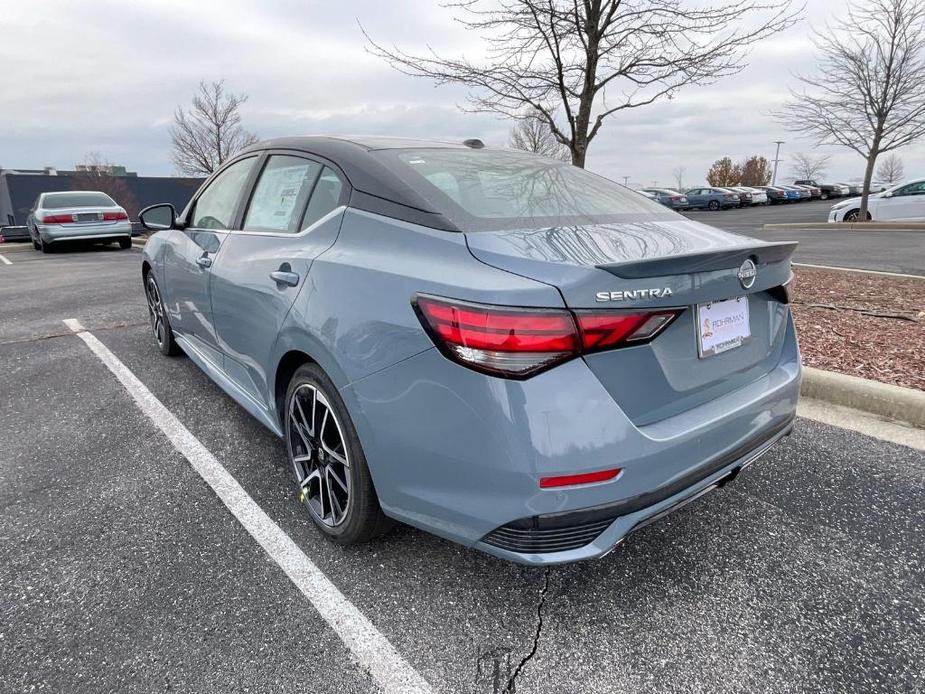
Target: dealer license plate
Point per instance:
(722, 325)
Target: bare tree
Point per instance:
(95, 172)
(891, 169)
(592, 58)
(678, 174)
(809, 166)
(95, 164)
(867, 91)
(210, 132)
(531, 133)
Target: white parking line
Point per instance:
(370, 647)
(5, 260)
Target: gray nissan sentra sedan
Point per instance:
(85, 215)
(499, 348)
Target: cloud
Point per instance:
(108, 75)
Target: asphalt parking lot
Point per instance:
(882, 250)
(122, 571)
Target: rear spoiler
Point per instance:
(701, 261)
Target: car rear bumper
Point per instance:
(460, 454)
(84, 232)
(592, 533)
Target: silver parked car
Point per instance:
(77, 216)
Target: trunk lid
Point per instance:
(677, 264)
(80, 215)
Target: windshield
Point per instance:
(59, 201)
(501, 189)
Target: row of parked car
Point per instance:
(724, 198)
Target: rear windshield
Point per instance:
(62, 200)
(500, 189)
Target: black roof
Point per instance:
(377, 186)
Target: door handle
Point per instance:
(204, 261)
(282, 277)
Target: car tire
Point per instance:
(327, 461)
(45, 246)
(852, 216)
(160, 325)
(713, 205)
(125, 244)
(36, 245)
(824, 196)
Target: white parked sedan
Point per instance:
(759, 197)
(904, 202)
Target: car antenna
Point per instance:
(474, 143)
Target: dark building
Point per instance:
(19, 190)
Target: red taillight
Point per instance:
(519, 342)
(604, 329)
(58, 219)
(114, 216)
(585, 478)
(506, 330)
(505, 341)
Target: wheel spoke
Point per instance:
(339, 457)
(309, 424)
(324, 421)
(314, 475)
(325, 491)
(332, 499)
(342, 483)
(306, 442)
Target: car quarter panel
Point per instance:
(355, 317)
(460, 453)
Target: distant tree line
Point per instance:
(752, 171)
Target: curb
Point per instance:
(882, 399)
(850, 226)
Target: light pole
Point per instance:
(776, 161)
(625, 179)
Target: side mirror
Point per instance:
(158, 217)
(888, 194)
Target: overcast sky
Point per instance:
(105, 76)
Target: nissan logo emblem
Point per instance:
(747, 273)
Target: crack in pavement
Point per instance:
(68, 333)
(540, 605)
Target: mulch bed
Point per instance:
(871, 326)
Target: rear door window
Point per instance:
(280, 194)
(325, 197)
(216, 206)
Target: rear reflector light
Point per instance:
(114, 216)
(585, 478)
(519, 342)
(58, 219)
